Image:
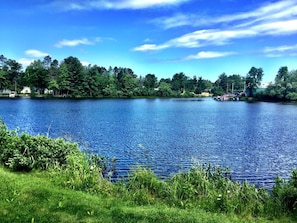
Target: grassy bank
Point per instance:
(50, 180)
(33, 198)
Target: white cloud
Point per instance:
(280, 51)
(150, 47)
(280, 48)
(199, 38)
(147, 40)
(274, 19)
(35, 53)
(137, 4)
(281, 10)
(85, 63)
(25, 62)
(113, 4)
(177, 20)
(207, 55)
(276, 28)
(75, 42)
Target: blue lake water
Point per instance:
(257, 141)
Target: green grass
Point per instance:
(32, 197)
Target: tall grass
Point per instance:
(203, 187)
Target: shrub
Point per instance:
(211, 188)
(63, 160)
(22, 152)
(284, 195)
(144, 186)
(81, 173)
(199, 184)
(205, 186)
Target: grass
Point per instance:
(32, 197)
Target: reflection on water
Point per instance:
(255, 140)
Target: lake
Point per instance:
(257, 141)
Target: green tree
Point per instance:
(166, 80)
(64, 79)
(92, 82)
(179, 81)
(129, 83)
(76, 75)
(217, 90)
(282, 75)
(200, 86)
(47, 60)
(165, 90)
(3, 60)
(13, 72)
(222, 82)
(191, 84)
(53, 85)
(236, 83)
(253, 80)
(284, 88)
(37, 76)
(53, 74)
(150, 81)
(4, 83)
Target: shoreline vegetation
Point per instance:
(52, 180)
(70, 79)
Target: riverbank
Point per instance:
(50, 180)
(64, 96)
(34, 198)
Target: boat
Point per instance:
(12, 95)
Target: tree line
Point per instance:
(70, 78)
(284, 87)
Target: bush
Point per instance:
(81, 173)
(284, 195)
(211, 188)
(144, 186)
(204, 187)
(64, 162)
(22, 152)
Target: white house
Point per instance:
(264, 85)
(26, 90)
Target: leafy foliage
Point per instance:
(23, 152)
(284, 195)
(284, 88)
(253, 80)
(70, 78)
(210, 188)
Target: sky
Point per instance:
(198, 37)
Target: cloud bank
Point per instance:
(35, 53)
(76, 42)
(76, 5)
(274, 19)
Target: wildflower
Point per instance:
(219, 197)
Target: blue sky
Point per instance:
(163, 37)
